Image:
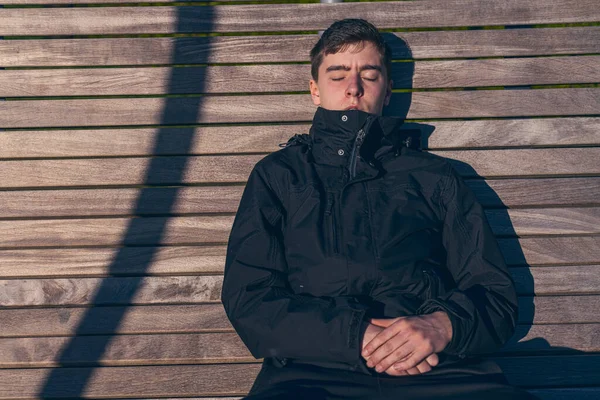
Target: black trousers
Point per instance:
(467, 380)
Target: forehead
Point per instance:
(354, 54)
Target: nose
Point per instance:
(354, 88)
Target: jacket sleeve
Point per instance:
(483, 306)
(269, 317)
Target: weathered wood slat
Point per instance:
(280, 48)
(236, 379)
(192, 260)
(235, 169)
(198, 289)
(116, 291)
(288, 108)
(195, 318)
(168, 260)
(215, 229)
(284, 77)
(132, 320)
(291, 17)
(218, 199)
(112, 231)
(265, 138)
(205, 348)
(551, 250)
(148, 381)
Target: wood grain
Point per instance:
(235, 169)
(124, 261)
(290, 17)
(112, 291)
(215, 229)
(133, 320)
(287, 48)
(195, 318)
(163, 381)
(288, 108)
(112, 231)
(470, 134)
(548, 281)
(202, 260)
(285, 77)
(280, 48)
(551, 250)
(519, 193)
(205, 348)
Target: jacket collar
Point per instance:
(334, 134)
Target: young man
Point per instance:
(359, 266)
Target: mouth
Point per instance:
(354, 107)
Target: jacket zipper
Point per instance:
(360, 138)
(330, 213)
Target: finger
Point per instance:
(391, 351)
(424, 367)
(393, 372)
(415, 358)
(433, 359)
(413, 371)
(400, 353)
(381, 338)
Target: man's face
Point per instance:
(352, 79)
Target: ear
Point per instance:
(388, 93)
(314, 92)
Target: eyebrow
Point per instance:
(347, 68)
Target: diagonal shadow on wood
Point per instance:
(71, 382)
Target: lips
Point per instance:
(354, 107)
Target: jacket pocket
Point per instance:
(331, 225)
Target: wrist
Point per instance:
(442, 322)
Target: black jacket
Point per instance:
(353, 222)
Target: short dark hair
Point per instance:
(347, 32)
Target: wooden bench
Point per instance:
(116, 200)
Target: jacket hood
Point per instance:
(334, 133)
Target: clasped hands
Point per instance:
(406, 345)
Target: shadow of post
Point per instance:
(71, 381)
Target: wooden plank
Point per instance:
(235, 169)
(116, 231)
(215, 229)
(540, 281)
(200, 289)
(551, 250)
(124, 261)
(265, 138)
(236, 379)
(100, 320)
(138, 382)
(195, 318)
(205, 348)
(111, 291)
(291, 108)
(288, 48)
(191, 260)
(225, 199)
(290, 17)
(548, 339)
(284, 77)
